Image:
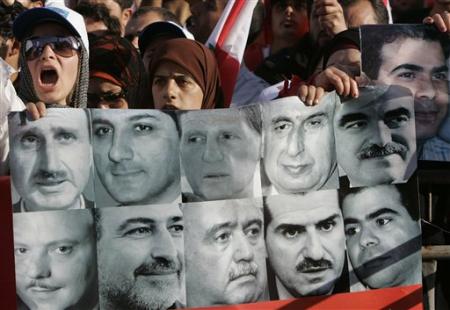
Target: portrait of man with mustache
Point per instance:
(225, 252)
(140, 257)
(375, 136)
(51, 160)
(305, 245)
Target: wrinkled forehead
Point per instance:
(210, 120)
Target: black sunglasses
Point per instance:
(63, 46)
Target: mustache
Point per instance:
(243, 269)
(311, 265)
(41, 284)
(53, 176)
(158, 267)
(374, 150)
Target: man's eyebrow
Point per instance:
(397, 112)
(251, 222)
(411, 67)
(175, 219)
(281, 118)
(442, 68)
(139, 117)
(286, 226)
(135, 220)
(350, 220)
(215, 228)
(351, 117)
(328, 219)
(63, 241)
(101, 120)
(60, 129)
(379, 212)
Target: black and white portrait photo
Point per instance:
(140, 257)
(225, 252)
(382, 229)
(220, 153)
(299, 153)
(55, 260)
(305, 245)
(51, 160)
(375, 136)
(422, 67)
(136, 156)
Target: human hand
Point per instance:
(333, 78)
(310, 94)
(36, 110)
(330, 16)
(440, 20)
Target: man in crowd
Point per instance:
(136, 156)
(55, 260)
(140, 257)
(299, 153)
(305, 244)
(383, 234)
(225, 253)
(375, 136)
(220, 151)
(425, 74)
(50, 160)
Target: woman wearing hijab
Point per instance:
(117, 74)
(184, 75)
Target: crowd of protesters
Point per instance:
(151, 54)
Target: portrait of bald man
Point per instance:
(51, 160)
(298, 149)
(225, 252)
(375, 136)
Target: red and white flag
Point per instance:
(228, 41)
(388, 7)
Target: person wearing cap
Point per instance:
(53, 57)
(120, 85)
(184, 75)
(375, 136)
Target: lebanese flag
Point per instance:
(228, 41)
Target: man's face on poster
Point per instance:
(136, 154)
(220, 152)
(55, 259)
(421, 67)
(376, 138)
(377, 225)
(299, 151)
(225, 253)
(50, 158)
(305, 242)
(140, 255)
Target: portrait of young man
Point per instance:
(299, 150)
(140, 257)
(305, 245)
(225, 252)
(136, 156)
(382, 229)
(55, 260)
(51, 160)
(220, 153)
(422, 67)
(375, 136)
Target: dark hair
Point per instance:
(99, 13)
(257, 22)
(7, 16)
(163, 13)
(371, 45)
(124, 4)
(409, 196)
(380, 10)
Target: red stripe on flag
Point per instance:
(229, 69)
(231, 20)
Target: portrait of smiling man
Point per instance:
(375, 136)
(299, 153)
(220, 152)
(305, 244)
(140, 257)
(51, 160)
(383, 234)
(55, 260)
(225, 252)
(136, 156)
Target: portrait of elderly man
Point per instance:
(55, 260)
(299, 153)
(422, 67)
(51, 160)
(375, 136)
(140, 257)
(225, 252)
(136, 156)
(383, 235)
(305, 244)
(220, 153)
